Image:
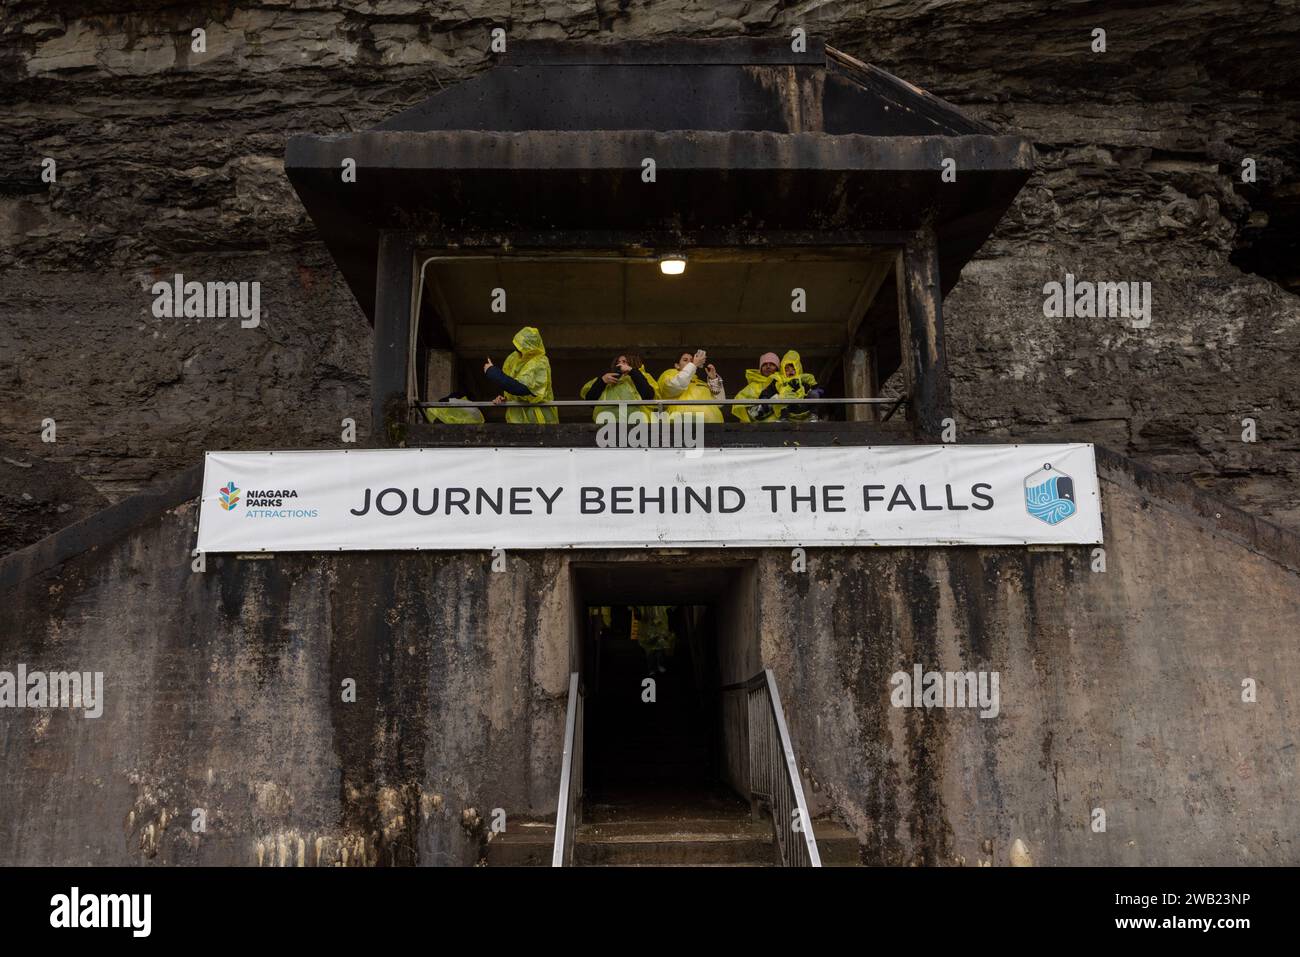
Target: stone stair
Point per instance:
(646, 841)
(676, 843)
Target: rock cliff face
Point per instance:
(170, 161)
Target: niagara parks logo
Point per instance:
(229, 496)
(264, 503)
(1049, 495)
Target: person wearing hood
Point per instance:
(525, 377)
(681, 382)
(627, 381)
(755, 381)
(653, 632)
(791, 382)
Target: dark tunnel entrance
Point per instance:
(652, 734)
(657, 644)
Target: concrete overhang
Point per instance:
(752, 144)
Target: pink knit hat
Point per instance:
(768, 357)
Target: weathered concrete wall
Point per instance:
(1118, 690)
(739, 659)
(171, 161)
(224, 692)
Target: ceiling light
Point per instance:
(673, 265)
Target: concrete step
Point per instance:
(524, 844)
(629, 843)
(649, 829)
(679, 843)
(837, 845)
(724, 864)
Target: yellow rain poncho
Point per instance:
(755, 382)
(624, 388)
(650, 628)
(528, 364)
(466, 416)
(695, 389)
(796, 386)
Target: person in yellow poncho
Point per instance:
(793, 383)
(525, 377)
(681, 382)
(626, 380)
(756, 380)
(651, 630)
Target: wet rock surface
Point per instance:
(39, 496)
(170, 161)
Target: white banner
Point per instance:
(508, 498)
(588, 498)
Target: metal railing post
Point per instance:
(774, 774)
(568, 812)
(794, 794)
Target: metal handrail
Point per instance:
(774, 775)
(589, 403)
(568, 813)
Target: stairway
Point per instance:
(653, 835)
(692, 842)
(631, 742)
(651, 795)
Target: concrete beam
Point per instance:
(466, 151)
(390, 356)
(479, 338)
(440, 374)
(920, 317)
(859, 384)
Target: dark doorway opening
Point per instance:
(652, 734)
(657, 645)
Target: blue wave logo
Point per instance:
(1049, 495)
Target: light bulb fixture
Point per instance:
(672, 265)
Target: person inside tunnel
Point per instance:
(651, 701)
(652, 631)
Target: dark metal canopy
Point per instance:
(752, 144)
